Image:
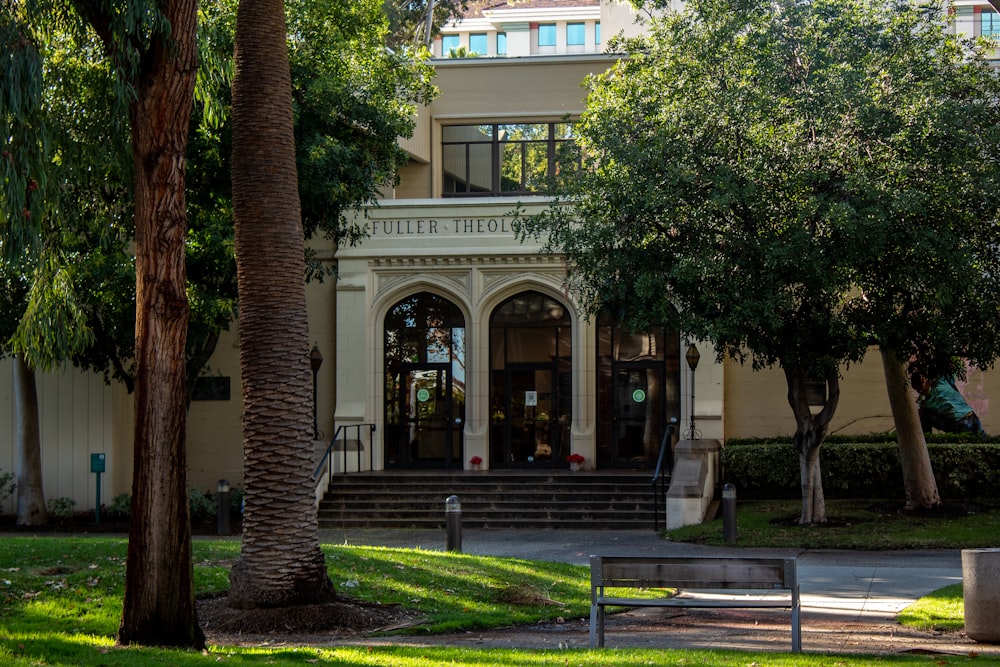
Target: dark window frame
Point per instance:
(497, 144)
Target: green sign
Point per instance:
(639, 396)
(423, 395)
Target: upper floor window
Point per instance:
(477, 44)
(597, 33)
(501, 43)
(449, 43)
(576, 34)
(546, 34)
(506, 158)
(989, 23)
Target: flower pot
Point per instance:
(574, 466)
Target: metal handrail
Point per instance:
(658, 476)
(341, 434)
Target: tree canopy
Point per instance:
(795, 182)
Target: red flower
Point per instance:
(475, 460)
(575, 458)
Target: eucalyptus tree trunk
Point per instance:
(159, 606)
(918, 475)
(810, 432)
(31, 509)
(281, 563)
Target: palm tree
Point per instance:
(281, 563)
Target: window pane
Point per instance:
(468, 133)
(597, 33)
(523, 131)
(547, 34)
(536, 154)
(477, 44)
(481, 167)
(449, 42)
(511, 170)
(501, 43)
(455, 166)
(576, 34)
(990, 23)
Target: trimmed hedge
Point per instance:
(769, 468)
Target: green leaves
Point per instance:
(794, 180)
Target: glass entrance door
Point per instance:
(428, 431)
(638, 395)
(638, 419)
(529, 427)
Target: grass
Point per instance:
(853, 524)
(941, 610)
(60, 598)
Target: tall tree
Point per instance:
(415, 22)
(41, 324)
(761, 171)
(281, 563)
(152, 48)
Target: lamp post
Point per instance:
(693, 357)
(315, 361)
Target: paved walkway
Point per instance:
(849, 598)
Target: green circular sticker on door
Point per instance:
(423, 395)
(639, 396)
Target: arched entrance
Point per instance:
(638, 394)
(424, 383)
(530, 382)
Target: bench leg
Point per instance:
(796, 630)
(596, 626)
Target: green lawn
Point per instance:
(853, 524)
(61, 597)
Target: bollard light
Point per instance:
(453, 523)
(729, 513)
(222, 507)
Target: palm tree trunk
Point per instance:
(281, 563)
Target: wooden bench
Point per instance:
(777, 576)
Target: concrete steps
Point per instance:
(501, 499)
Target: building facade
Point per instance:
(453, 336)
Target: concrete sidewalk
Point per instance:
(859, 593)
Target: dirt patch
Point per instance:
(345, 618)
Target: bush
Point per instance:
(7, 485)
(861, 468)
(61, 507)
(203, 506)
(120, 507)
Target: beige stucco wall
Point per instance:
(756, 403)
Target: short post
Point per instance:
(222, 507)
(453, 523)
(98, 466)
(729, 513)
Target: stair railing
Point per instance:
(341, 440)
(660, 476)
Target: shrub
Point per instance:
(852, 468)
(61, 507)
(7, 485)
(203, 506)
(121, 506)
